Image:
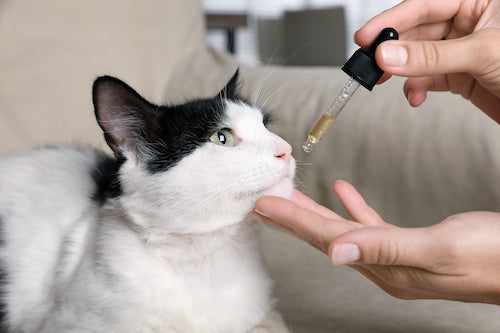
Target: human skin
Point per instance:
(451, 45)
(457, 259)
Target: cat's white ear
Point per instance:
(124, 116)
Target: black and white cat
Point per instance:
(153, 239)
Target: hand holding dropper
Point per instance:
(362, 69)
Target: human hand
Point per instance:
(449, 45)
(457, 259)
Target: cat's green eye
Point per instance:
(223, 137)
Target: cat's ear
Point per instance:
(231, 89)
(124, 116)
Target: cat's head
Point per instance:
(194, 167)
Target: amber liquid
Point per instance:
(321, 127)
(318, 131)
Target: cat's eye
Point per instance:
(223, 137)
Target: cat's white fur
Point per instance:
(174, 253)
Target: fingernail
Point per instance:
(345, 253)
(410, 93)
(261, 213)
(393, 55)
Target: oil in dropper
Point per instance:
(330, 115)
(363, 70)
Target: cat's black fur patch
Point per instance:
(267, 118)
(2, 232)
(105, 175)
(3, 281)
(189, 125)
(184, 128)
(160, 136)
(3, 305)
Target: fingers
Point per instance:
(416, 89)
(304, 201)
(288, 230)
(301, 222)
(385, 245)
(431, 31)
(406, 16)
(355, 205)
(425, 58)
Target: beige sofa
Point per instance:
(414, 166)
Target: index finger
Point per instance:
(306, 224)
(303, 200)
(407, 15)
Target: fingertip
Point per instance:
(271, 210)
(274, 207)
(259, 213)
(356, 38)
(416, 98)
(392, 56)
(338, 186)
(347, 193)
(349, 247)
(338, 182)
(415, 91)
(341, 186)
(343, 254)
(364, 36)
(259, 202)
(264, 204)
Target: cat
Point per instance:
(152, 239)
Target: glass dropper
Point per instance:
(363, 70)
(329, 116)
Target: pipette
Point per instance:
(363, 70)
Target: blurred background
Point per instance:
(289, 32)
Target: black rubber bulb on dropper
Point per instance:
(362, 66)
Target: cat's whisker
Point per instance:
(142, 234)
(260, 86)
(299, 185)
(299, 162)
(271, 95)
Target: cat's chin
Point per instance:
(283, 188)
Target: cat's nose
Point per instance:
(284, 152)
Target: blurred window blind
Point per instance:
(357, 13)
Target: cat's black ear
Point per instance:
(124, 116)
(231, 89)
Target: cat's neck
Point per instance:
(184, 247)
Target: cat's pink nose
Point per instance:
(284, 152)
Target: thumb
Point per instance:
(384, 245)
(425, 58)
